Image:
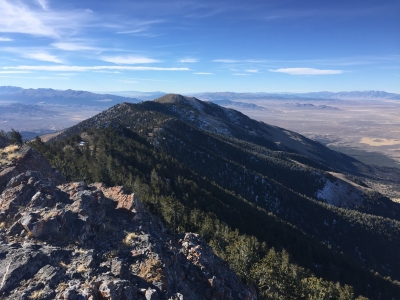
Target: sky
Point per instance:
(201, 46)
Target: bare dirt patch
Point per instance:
(47, 137)
(376, 142)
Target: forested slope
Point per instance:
(249, 188)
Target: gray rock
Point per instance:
(151, 294)
(120, 268)
(74, 247)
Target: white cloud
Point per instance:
(189, 60)
(65, 74)
(22, 17)
(43, 56)
(252, 71)
(43, 4)
(240, 74)
(16, 17)
(137, 30)
(128, 81)
(128, 60)
(38, 78)
(231, 61)
(107, 72)
(203, 73)
(14, 72)
(227, 61)
(306, 71)
(91, 68)
(2, 39)
(74, 47)
(137, 27)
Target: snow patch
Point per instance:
(340, 193)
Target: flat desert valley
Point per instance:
(368, 130)
(351, 126)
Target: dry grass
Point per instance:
(80, 251)
(9, 154)
(151, 270)
(82, 269)
(64, 265)
(36, 294)
(9, 149)
(62, 286)
(129, 239)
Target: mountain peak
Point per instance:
(179, 99)
(171, 98)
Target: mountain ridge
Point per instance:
(60, 97)
(62, 240)
(218, 162)
(136, 96)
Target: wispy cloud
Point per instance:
(330, 12)
(128, 81)
(148, 79)
(65, 74)
(232, 61)
(306, 71)
(140, 27)
(38, 77)
(176, 45)
(226, 61)
(3, 39)
(43, 56)
(14, 72)
(252, 71)
(91, 68)
(203, 73)
(189, 60)
(74, 47)
(128, 60)
(240, 74)
(43, 4)
(340, 61)
(21, 17)
(107, 72)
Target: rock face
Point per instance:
(28, 159)
(75, 241)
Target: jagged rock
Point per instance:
(29, 159)
(18, 262)
(120, 268)
(78, 241)
(151, 294)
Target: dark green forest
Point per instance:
(202, 168)
(281, 259)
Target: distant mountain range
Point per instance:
(60, 97)
(353, 95)
(238, 104)
(73, 97)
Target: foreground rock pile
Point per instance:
(74, 241)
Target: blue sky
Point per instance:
(201, 46)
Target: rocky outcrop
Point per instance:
(78, 241)
(28, 159)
